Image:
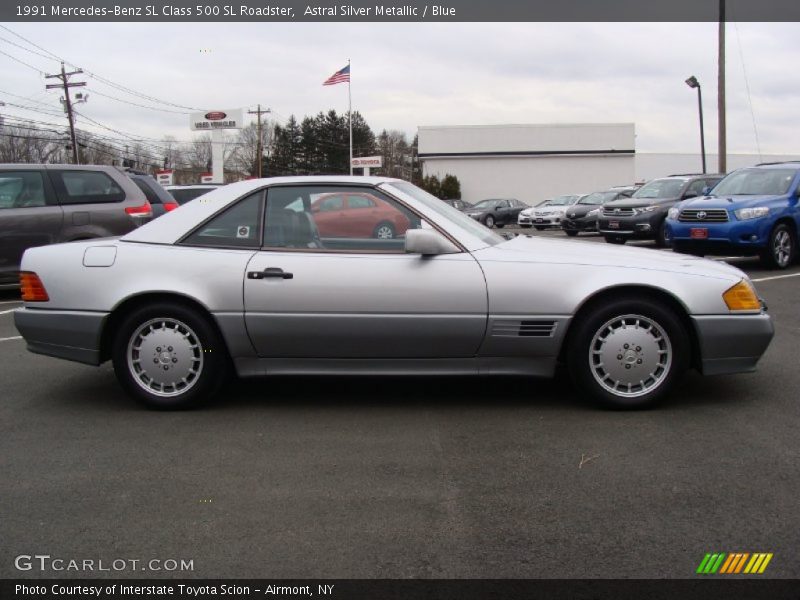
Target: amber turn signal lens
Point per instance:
(742, 296)
(32, 287)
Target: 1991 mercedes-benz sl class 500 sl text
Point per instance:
(241, 279)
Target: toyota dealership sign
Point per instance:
(217, 119)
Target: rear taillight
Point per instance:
(168, 206)
(32, 287)
(145, 210)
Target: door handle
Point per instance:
(270, 272)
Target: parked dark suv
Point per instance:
(47, 204)
(643, 215)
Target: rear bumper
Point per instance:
(732, 343)
(72, 335)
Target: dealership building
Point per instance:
(536, 162)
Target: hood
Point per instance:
(581, 210)
(553, 251)
(637, 202)
(549, 210)
(728, 202)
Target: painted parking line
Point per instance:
(776, 277)
(5, 312)
(11, 302)
(8, 339)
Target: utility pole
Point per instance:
(259, 150)
(66, 84)
(723, 166)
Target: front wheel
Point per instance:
(169, 357)
(629, 353)
(663, 239)
(488, 221)
(781, 248)
(570, 232)
(540, 228)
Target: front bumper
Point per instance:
(579, 224)
(746, 237)
(551, 220)
(68, 334)
(641, 226)
(732, 343)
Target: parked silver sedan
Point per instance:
(241, 280)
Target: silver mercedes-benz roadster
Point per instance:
(368, 275)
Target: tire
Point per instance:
(540, 228)
(525, 226)
(781, 249)
(174, 338)
(615, 239)
(570, 233)
(488, 220)
(663, 239)
(384, 231)
(601, 365)
(499, 225)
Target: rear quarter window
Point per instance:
(86, 187)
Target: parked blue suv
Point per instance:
(753, 211)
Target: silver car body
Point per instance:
(499, 307)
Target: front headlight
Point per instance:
(742, 296)
(647, 209)
(673, 213)
(743, 214)
(526, 213)
(594, 212)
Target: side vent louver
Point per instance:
(523, 328)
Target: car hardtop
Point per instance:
(675, 194)
(737, 201)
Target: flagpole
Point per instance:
(350, 114)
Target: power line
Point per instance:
(22, 62)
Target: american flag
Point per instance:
(340, 76)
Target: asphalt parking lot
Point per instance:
(404, 477)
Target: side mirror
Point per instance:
(428, 243)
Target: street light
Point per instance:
(693, 83)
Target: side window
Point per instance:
(696, 188)
(236, 227)
(322, 227)
(148, 192)
(502, 204)
(21, 189)
(359, 202)
(329, 203)
(86, 187)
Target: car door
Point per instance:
(350, 297)
(29, 216)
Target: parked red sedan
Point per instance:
(357, 215)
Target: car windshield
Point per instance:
(461, 219)
(597, 198)
(184, 195)
(756, 182)
(661, 188)
(562, 200)
(487, 203)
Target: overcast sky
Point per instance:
(411, 74)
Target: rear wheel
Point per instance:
(781, 248)
(384, 231)
(169, 357)
(629, 353)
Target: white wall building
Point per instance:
(535, 162)
(530, 162)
